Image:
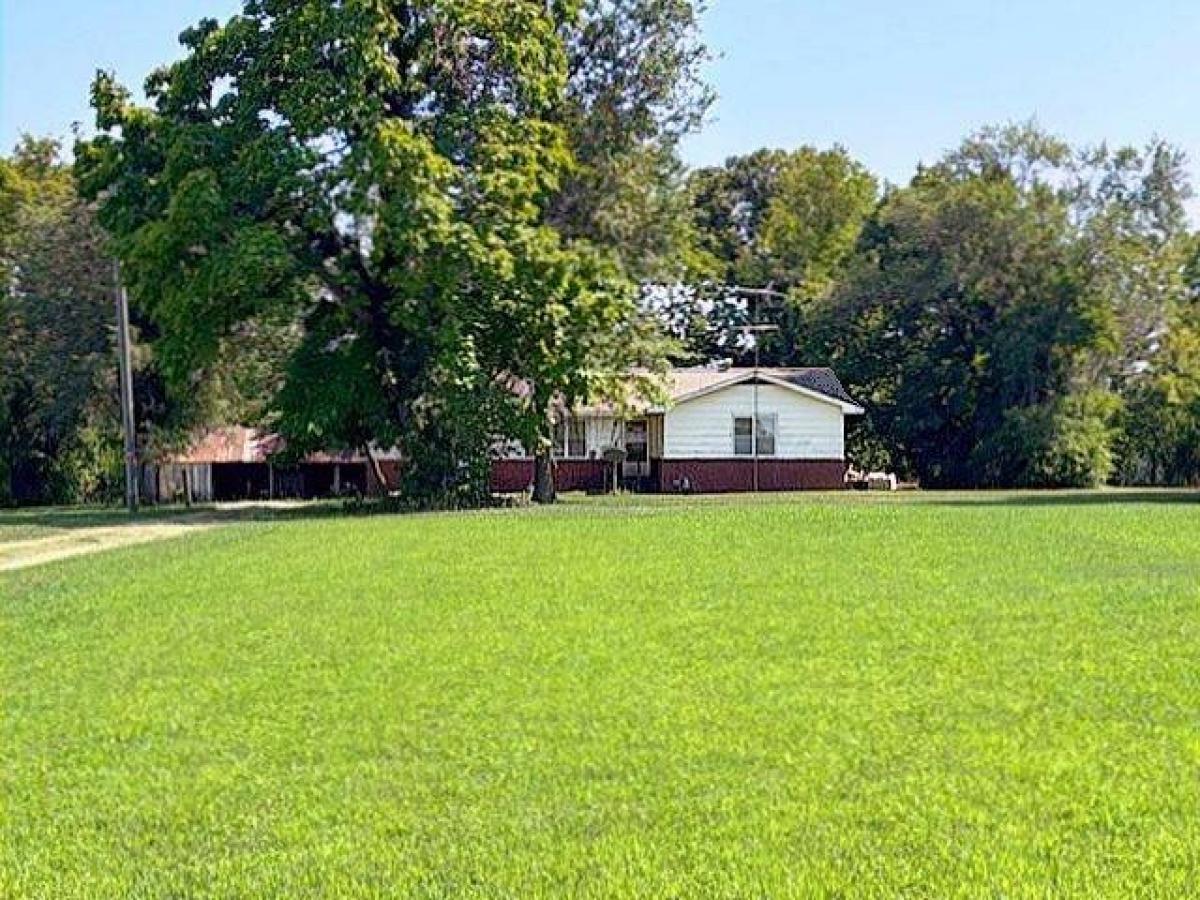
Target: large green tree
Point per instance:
(59, 438)
(635, 89)
(788, 221)
(1160, 440)
(968, 321)
(1021, 315)
(1160, 437)
(1138, 257)
(1134, 232)
(11, 190)
(387, 177)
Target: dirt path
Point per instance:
(80, 542)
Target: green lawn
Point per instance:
(904, 696)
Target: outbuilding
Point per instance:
(238, 463)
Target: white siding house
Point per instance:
(721, 430)
(803, 427)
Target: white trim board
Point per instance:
(849, 409)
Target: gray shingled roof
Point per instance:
(819, 379)
(822, 380)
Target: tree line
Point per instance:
(1022, 313)
(430, 226)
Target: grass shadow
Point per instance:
(57, 518)
(25, 523)
(1064, 498)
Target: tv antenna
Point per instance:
(753, 330)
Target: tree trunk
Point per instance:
(543, 477)
(377, 471)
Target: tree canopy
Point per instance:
(789, 221)
(58, 440)
(436, 224)
(401, 184)
(1002, 309)
(1021, 313)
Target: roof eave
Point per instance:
(849, 409)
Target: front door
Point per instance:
(637, 449)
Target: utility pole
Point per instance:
(755, 328)
(128, 423)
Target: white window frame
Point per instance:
(756, 424)
(644, 424)
(749, 451)
(577, 438)
(760, 432)
(563, 428)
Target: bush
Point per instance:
(1160, 427)
(92, 469)
(1064, 444)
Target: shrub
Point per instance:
(1067, 443)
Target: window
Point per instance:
(744, 435)
(576, 438)
(766, 435)
(636, 441)
(570, 437)
(560, 437)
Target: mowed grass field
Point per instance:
(932, 696)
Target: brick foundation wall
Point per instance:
(718, 476)
(511, 476)
(707, 476)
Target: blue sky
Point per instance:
(895, 82)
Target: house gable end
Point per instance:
(765, 377)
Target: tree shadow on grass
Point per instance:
(29, 521)
(58, 518)
(1066, 498)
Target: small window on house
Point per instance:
(743, 436)
(766, 435)
(576, 438)
(560, 437)
(637, 443)
(570, 437)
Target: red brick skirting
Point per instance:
(716, 476)
(704, 476)
(510, 476)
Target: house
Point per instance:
(703, 440)
(722, 430)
